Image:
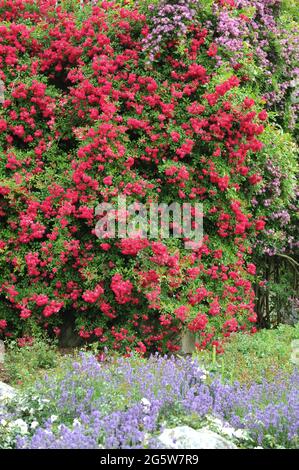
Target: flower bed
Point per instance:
(127, 402)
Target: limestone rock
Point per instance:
(184, 437)
(6, 391)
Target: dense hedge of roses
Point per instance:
(87, 117)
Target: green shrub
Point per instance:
(24, 364)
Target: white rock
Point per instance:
(6, 391)
(184, 437)
(225, 429)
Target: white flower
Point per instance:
(215, 421)
(203, 370)
(229, 431)
(3, 422)
(76, 422)
(34, 424)
(53, 418)
(20, 424)
(146, 404)
(241, 434)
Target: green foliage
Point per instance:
(24, 364)
(251, 358)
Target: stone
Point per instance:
(2, 351)
(6, 391)
(185, 437)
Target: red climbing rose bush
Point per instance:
(87, 117)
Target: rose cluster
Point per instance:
(85, 119)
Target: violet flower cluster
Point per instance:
(125, 404)
(268, 195)
(253, 22)
(170, 20)
(261, 28)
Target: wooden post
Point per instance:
(2, 351)
(188, 342)
(2, 90)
